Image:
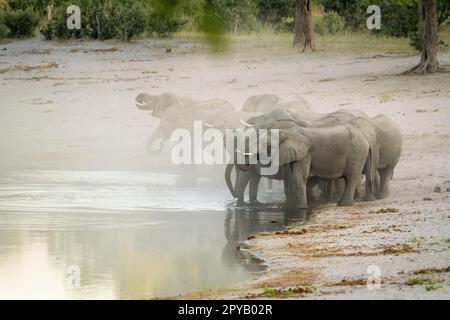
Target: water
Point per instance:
(122, 235)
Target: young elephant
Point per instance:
(389, 139)
(326, 153)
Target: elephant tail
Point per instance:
(228, 171)
(372, 167)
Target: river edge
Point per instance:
(326, 259)
(404, 241)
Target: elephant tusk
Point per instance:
(140, 104)
(206, 124)
(247, 154)
(246, 124)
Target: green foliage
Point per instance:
(329, 23)
(419, 281)
(131, 20)
(399, 18)
(4, 31)
(213, 24)
(21, 22)
(166, 17)
(269, 292)
(275, 12)
(104, 19)
(239, 14)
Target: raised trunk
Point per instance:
(304, 25)
(428, 26)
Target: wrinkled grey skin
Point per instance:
(389, 138)
(177, 112)
(266, 103)
(286, 119)
(327, 153)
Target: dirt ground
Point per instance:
(69, 106)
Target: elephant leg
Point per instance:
(377, 185)
(385, 179)
(369, 191)
(243, 177)
(288, 191)
(330, 190)
(349, 192)
(300, 173)
(359, 189)
(253, 191)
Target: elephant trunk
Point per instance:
(228, 171)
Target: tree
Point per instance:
(428, 25)
(303, 25)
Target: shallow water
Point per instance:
(122, 235)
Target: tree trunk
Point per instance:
(304, 26)
(428, 25)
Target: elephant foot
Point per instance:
(370, 198)
(346, 203)
(240, 203)
(295, 206)
(255, 203)
(382, 195)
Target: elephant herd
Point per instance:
(333, 152)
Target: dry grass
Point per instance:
(356, 42)
(29, 68)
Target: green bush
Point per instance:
(274, 13)
(166, 17)
(56, 28)
(99, 20)
(329, 23)
(4, 31)
(416, 41)
(21, 22)
(164, 25)
(130, 21)
(399, 18)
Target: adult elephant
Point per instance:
(327, 153)
(266, 103)
(389, 139)
(286, 119)
(177, 112)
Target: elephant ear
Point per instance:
(294, 147)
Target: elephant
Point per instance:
(340, 151)
(180, 112)
(266, 103)
(285, 119)
(385, 139)
(389, 139)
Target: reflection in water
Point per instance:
(121, 253)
